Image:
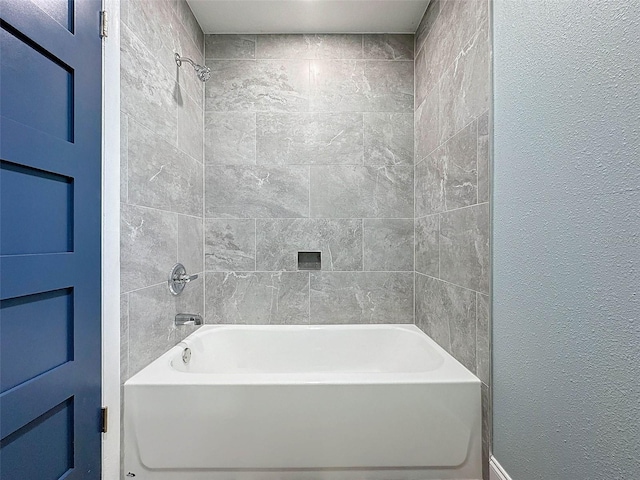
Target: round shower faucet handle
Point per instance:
(178, 278)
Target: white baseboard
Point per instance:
(496, 472)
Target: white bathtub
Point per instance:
(304, 402)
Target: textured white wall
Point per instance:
(566, 317)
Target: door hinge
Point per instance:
(104, 417)
(104, 24)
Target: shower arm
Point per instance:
(202, 71)
(180, 59)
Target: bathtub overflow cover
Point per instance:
(186, 355)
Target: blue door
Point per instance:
(50, 217)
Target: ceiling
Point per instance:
(308, 16)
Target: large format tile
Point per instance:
(464, 89)
(338, 86)
(426, 24)
(483, 158)
(280, 240)
(462, 331)
(388, 138)
(258, 298)
(361, 85)
(262, 85)
(356, 192)
(230, 244)
(459, 166)
(388, 47)
(486, 429)
(447, 179)
(162, 30)
(388, 244)
(151, 332)
(124, 155)
(429, 187)
(309, 138)
(148, 246)
(146, 90)
(427, 247)
(161, 176)
(483, 339)
(223, 47)
(464, 247)
(427, 126)
(156, 24)
(454, 27)
(391, 86)
(423, 77)
(124, 338)
(361, 297)
(191, 24)
(257, 192)
(124, 12)
(189, 85)
(312, 47)
(230, 138)
(190, 128)
(152, 312)
(483, 12)
(447, 314)
(431, 310)
(190, 239)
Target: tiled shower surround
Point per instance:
(162, 175)
(306, 143)
(452, 74)
(309, 147)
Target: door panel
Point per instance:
(50, 218)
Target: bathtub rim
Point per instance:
(161, 373)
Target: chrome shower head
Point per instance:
(203, 72)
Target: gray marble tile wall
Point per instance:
(162, 177)
(451, 178)
(309, 147)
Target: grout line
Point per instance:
(255, 139)
(274, 219)
(308, 111)
(362, 243)
(204, 197)
(452, 210)
(309, 297)
(477, 164)
(177, 220)
(128, 335)
(284, 165)
(310, 59)
(309, 194)
(364, 138)
(126, 194)
(476, 339)
(158, 209)
(450, 283)
(135, 290)
(439, 273)
(305, 271)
